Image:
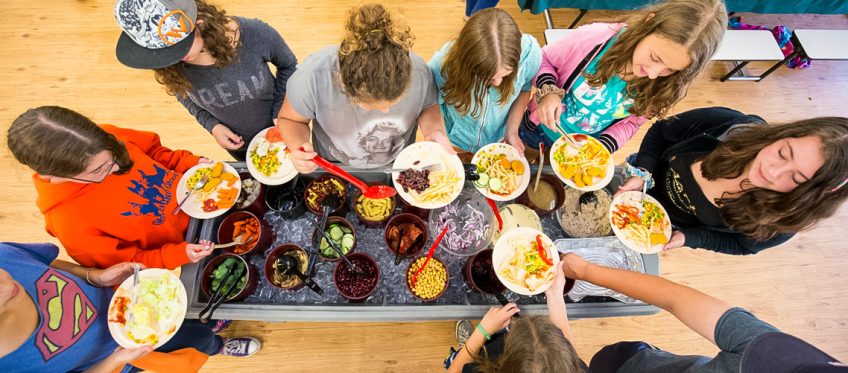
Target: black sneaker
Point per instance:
(241, 347)
(464, 329)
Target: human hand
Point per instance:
(197, 251)
(302, 159)
(513, 139)
(113, 275)
(498, 318)
(573, 266)
(677, 240)
(632, 183)
(204, 160)
(443, 140)
(557, 289)
(226, 137)
(123, 356)
(549, 110)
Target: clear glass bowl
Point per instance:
(463, 240)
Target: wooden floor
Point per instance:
(62, 53)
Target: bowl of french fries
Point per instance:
(418, 185)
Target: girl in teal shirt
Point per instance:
(484, 79)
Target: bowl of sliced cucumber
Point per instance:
(341, 232)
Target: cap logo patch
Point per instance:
(174, 26)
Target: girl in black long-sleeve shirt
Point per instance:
(735, 185)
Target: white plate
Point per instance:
(631, 198)
(285, 171)
(560, 143)
(511, 154)
(194, 205)
(117, 330)
(427, 153)
(503, 251)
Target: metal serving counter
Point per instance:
(392, 300)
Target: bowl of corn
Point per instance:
(432, 282)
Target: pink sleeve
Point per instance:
(618, 134)
(555, 58)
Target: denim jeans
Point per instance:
(474, 6)
(191, 334)
(533, 137)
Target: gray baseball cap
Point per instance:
(156, 33)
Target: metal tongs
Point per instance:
(221, 295)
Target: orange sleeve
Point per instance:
(184, 360)
(149, 143)
(99, 251)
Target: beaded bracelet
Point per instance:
(483, 330)
(631, 171)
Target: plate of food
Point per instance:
(525, 261)
(268, 159)
(158, 312)
(504, 172)
(216, 196)
(647, 234)
(587, 167)
(422, 188)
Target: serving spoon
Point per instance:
(370, 192)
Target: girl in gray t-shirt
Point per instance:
(365, 97)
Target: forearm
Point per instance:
(72, 268)
(295, 134)
(430, 121)
(204, 117)
(697, 310)
(516, 112)
(558, 314)
(474, 344)
(107, 365)
(721, 242)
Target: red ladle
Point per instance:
(497, 213)
(429, 255)
(370, 192)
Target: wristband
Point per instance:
(631, 171)
(88, 280)
(483, 330)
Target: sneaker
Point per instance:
(464, 329)
(241, 347)
(219, 325)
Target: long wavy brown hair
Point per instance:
(761, 213)
(56, 141)
(533, 345)
(697, 25)
(218, 40)
(374, 62)
(489, 39)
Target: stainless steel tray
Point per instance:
(392, 301)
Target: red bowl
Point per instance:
(373, 223)
(273, 255)
(249, 286)
(411, 219)
(258, 206)
(554, 182)
(409, 273)
(225, 233)
(340, 211)
(341, 275)
(331, 220)
(488, 284)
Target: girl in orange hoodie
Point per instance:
(107, 193)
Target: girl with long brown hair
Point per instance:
(606, 79)
(485, 77)
(530, 344)
(215, 64)
(733, 184)
(365, 97)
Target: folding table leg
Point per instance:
(777, 65)
(734, 71)
(579, 17)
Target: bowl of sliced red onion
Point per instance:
(470, 224)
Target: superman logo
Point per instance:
(66, 310)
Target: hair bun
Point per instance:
(370, 28)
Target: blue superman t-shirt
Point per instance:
(72, 332)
